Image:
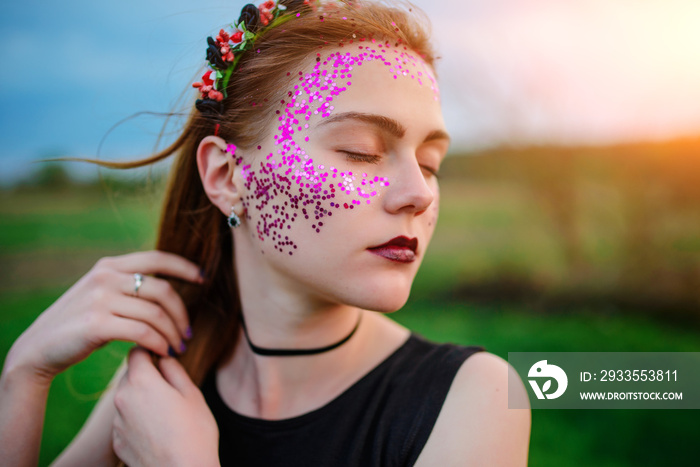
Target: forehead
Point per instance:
(396, 60)
(368, 76)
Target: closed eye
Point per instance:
(360, 157)
(431, 171)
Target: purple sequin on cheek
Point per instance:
(286, 188)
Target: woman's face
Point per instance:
(342, 199)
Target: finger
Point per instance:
(141, 365)
(141, 375)
(161, 292)
(118, 399)
(151, 314)
(156, 262)
(133, 330)
(175, 374)
(118, 443)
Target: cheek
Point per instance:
(291, 196)
(432, 213)
(434, 209)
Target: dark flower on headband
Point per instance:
(209, 107)
(250, 16)
(214, 55)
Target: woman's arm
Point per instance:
(22, 404)
(163, 419)
(475, 425)
(93, 444)
(101, 307)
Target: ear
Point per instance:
(217, 169)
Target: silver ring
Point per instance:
(138, 280)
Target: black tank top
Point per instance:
(384, 419)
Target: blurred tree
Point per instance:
(52, 175)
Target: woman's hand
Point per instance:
(102, 307)
(162, 417)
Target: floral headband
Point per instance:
(224, 52)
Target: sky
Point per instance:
(511, 71)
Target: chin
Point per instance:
(387, 305)
(382, 299)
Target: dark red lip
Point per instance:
(401, 249)
(400, 242)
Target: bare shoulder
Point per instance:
(475, 425)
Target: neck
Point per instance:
(276, 387)
(306, 351)
(282, 315)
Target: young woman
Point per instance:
(301, 203)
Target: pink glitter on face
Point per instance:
(287, 186)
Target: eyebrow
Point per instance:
(437, 134)
(389, 125)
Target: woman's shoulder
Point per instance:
(475, 422)
(422, 359)
(414, 365)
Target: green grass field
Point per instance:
(49, 239)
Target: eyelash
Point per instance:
(432, 172)
(374, 159)
(360, 157)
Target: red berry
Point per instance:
(265, 16)
(216, 95)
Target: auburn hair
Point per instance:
(190, 225)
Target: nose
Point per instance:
(408, 191)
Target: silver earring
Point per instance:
(233, 220)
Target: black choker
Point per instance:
(296, 352)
